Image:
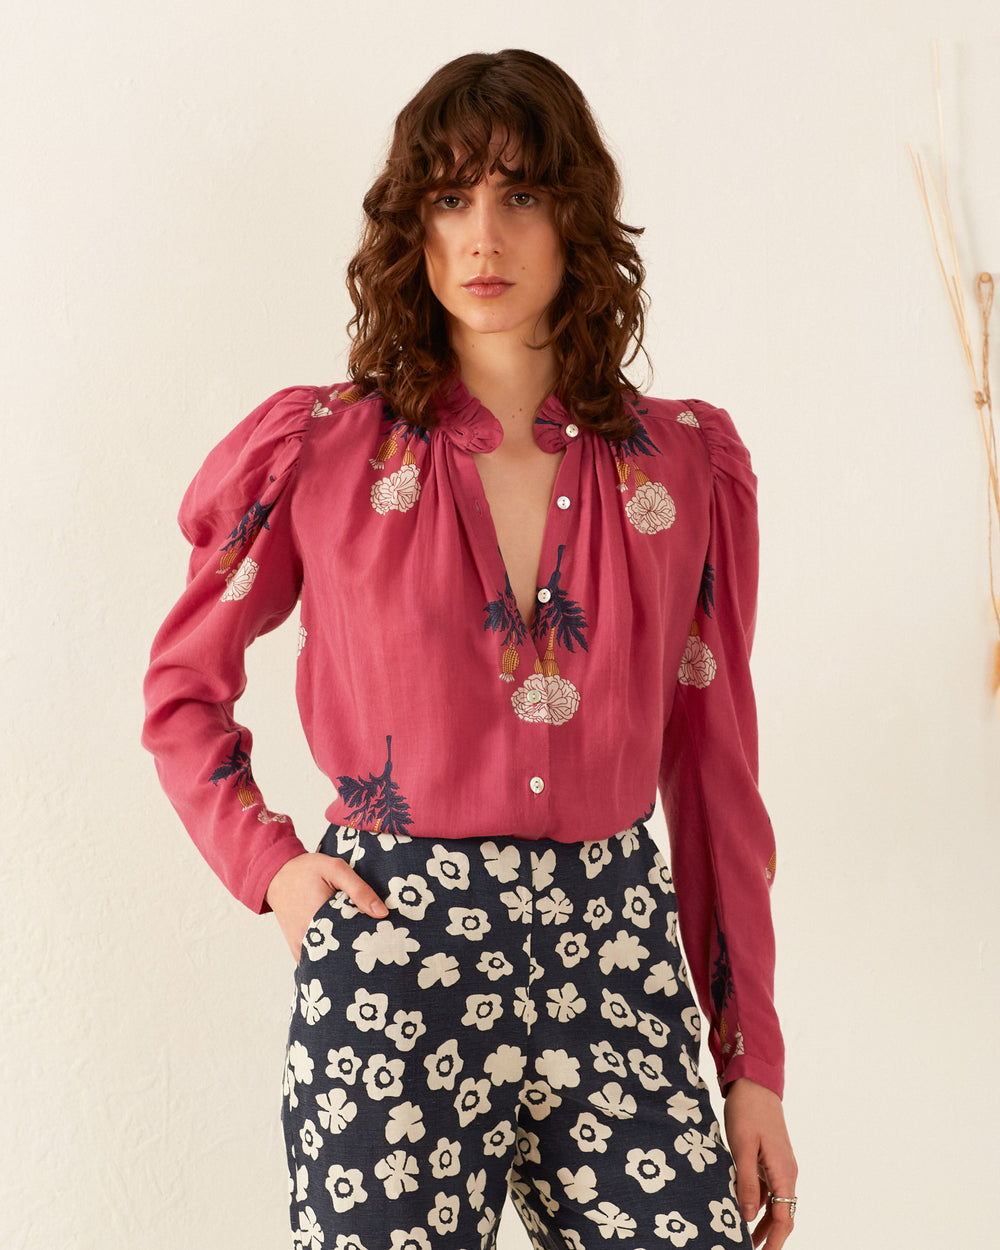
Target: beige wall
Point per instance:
(181, 194)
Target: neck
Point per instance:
(511, 379)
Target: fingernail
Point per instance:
(748, 1210)
(378, 908)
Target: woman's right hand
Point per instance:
(302, 885)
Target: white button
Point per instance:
(534, 696)
(563, 502)
(544, 595)
(572, 431)
(537, 785)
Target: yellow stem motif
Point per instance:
(547, 666)
(508, 664)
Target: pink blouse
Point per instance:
(433, 709)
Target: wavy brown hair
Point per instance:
(486, 106)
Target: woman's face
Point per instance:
(493, 256)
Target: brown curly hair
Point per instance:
(484, 106)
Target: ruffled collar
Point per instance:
(470, 424)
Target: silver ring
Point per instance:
(792, 1203)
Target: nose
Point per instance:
(486, 234)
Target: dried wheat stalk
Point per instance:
(940, 211)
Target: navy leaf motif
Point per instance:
(561, 613)
(249, 525)
(638, 441)
(377, 799)
(706, 592)
(237, 765)
(722, 977)
(502, 614)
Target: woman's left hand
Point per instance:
(758, 1139)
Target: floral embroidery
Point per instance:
(560, 613)
(303, 635)
(698, 665)
(549, 700)
(771, 867)
(376, 804)
(239, 582)
(267, 817)
(237, 766)
(503, 614)
(399, 491)
(650, 509)
(687, 417)
(248, 527)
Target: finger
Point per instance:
(780, 1224)
(747, 1182)
(357, 890)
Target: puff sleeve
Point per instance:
(243, 580)
(722, 845)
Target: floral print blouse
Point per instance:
(429, 703)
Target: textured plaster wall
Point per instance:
(181, 193)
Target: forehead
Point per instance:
(501, 159)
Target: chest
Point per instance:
(518, 485)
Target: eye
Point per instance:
(448, 202)
(523, 199)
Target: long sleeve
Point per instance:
(722, 845)
(243, 580)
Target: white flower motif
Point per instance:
(560, 1069)
(405, 1120)
(519, 903)
(555, 907)
(675, 1229)
(313, 1002)
(692, 1022)
(691, 1068)
(611, 1221)
(495, 964)
(409, 895)
(541, 869)
(444, 1215)
(267, 817)
(572, 1239)
(335, 1111)
(472, 1099)
(310, 1140)
(527, 1150)
(298, 1070)
(580, 1186)
(659, 874)
(625, 951)
(238, 582)
(387, 945)
(410, 1239)
(607, 1059)
(382, 1077)
(687, 417)
(589, 1133)
(498, 1140)
(342, 903)
(698, 1148)
(299, 1184)
(397, 1172)
(726, 1219)
(613, 1101)
(651, 509)
(628, 841)
(439, 967)
(698, 665)
(543, 1192)
(661, 978)
(348, 843)
(468, 922)
(398, 491)
(406, 1027)
(444, 1065)
(451, 868)
(598, 913)
(571, 948)
(349, 1241)
(345, 1188)
(684, 1108)
(501, 862)
(303, 635)
(309, 1234)
(505, 1064)
(595, 854)
(617, 1010)
(539, 1098)
(653, 1027)
(639, 906)
(546, 700)
(485, 1226)
(343, 1064)
(319, 938)
(524, 1007)
(475, 1184)
(482, 1011)
(650, 1169)
(367, 1012)
(446, 1159)
(535, 970)
(648, 1068)
(564, 1003)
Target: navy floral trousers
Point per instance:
(520, 1022)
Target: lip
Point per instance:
(487, 286)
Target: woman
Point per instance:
(527, 594)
